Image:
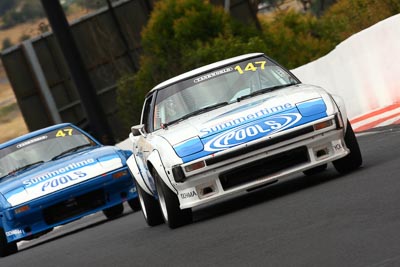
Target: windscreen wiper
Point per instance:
(196, 112)
(263, 91)
(71, 150)
(26, 167)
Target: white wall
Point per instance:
(364, 69)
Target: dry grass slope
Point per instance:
(12, 123)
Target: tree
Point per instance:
(318, 7)
(294, 38)
(6, 5)
(32, 10)
(182, 35)
(347, 17)
(7, 43)
(29, 10)
(174, 33)
(185, 34)
(129, 99)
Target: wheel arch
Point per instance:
(340, 104)
(137, 175)
(155, 163)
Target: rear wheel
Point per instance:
(5, 247)
(173, 215)
(316, 170)
(353, 160)
(134, 204)
(150, 208)
(114, 211)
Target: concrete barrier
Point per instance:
(364, 70)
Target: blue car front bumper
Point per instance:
(40, 215)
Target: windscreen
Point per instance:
(224, 85)
(41, 148)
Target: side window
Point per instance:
(147, 115)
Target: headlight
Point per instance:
(189, 147)
(177, 171)
(311, 107)
(3, 202)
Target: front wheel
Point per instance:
(150, 208)
(5, 247)
(173, 215)
(354, 159)
(114, 211)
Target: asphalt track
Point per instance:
(324, 220)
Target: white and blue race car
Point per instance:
(57, 175)
(229, 127)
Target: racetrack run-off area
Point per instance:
(377, 118)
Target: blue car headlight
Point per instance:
(3, 202)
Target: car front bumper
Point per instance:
(261, 163)
(31, 219)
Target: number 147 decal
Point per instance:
(251, 66)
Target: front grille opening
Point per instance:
(263, 167)
(207, 190)
(74, 206)
(322, 152)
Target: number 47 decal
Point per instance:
(64, 132)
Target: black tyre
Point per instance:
(353, 160)
(134, 204)
(114, 211)
(316, 170)
(169, 203)
(5, 247)
(150, 208)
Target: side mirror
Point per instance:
(137, 130)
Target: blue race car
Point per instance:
(57, 175)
